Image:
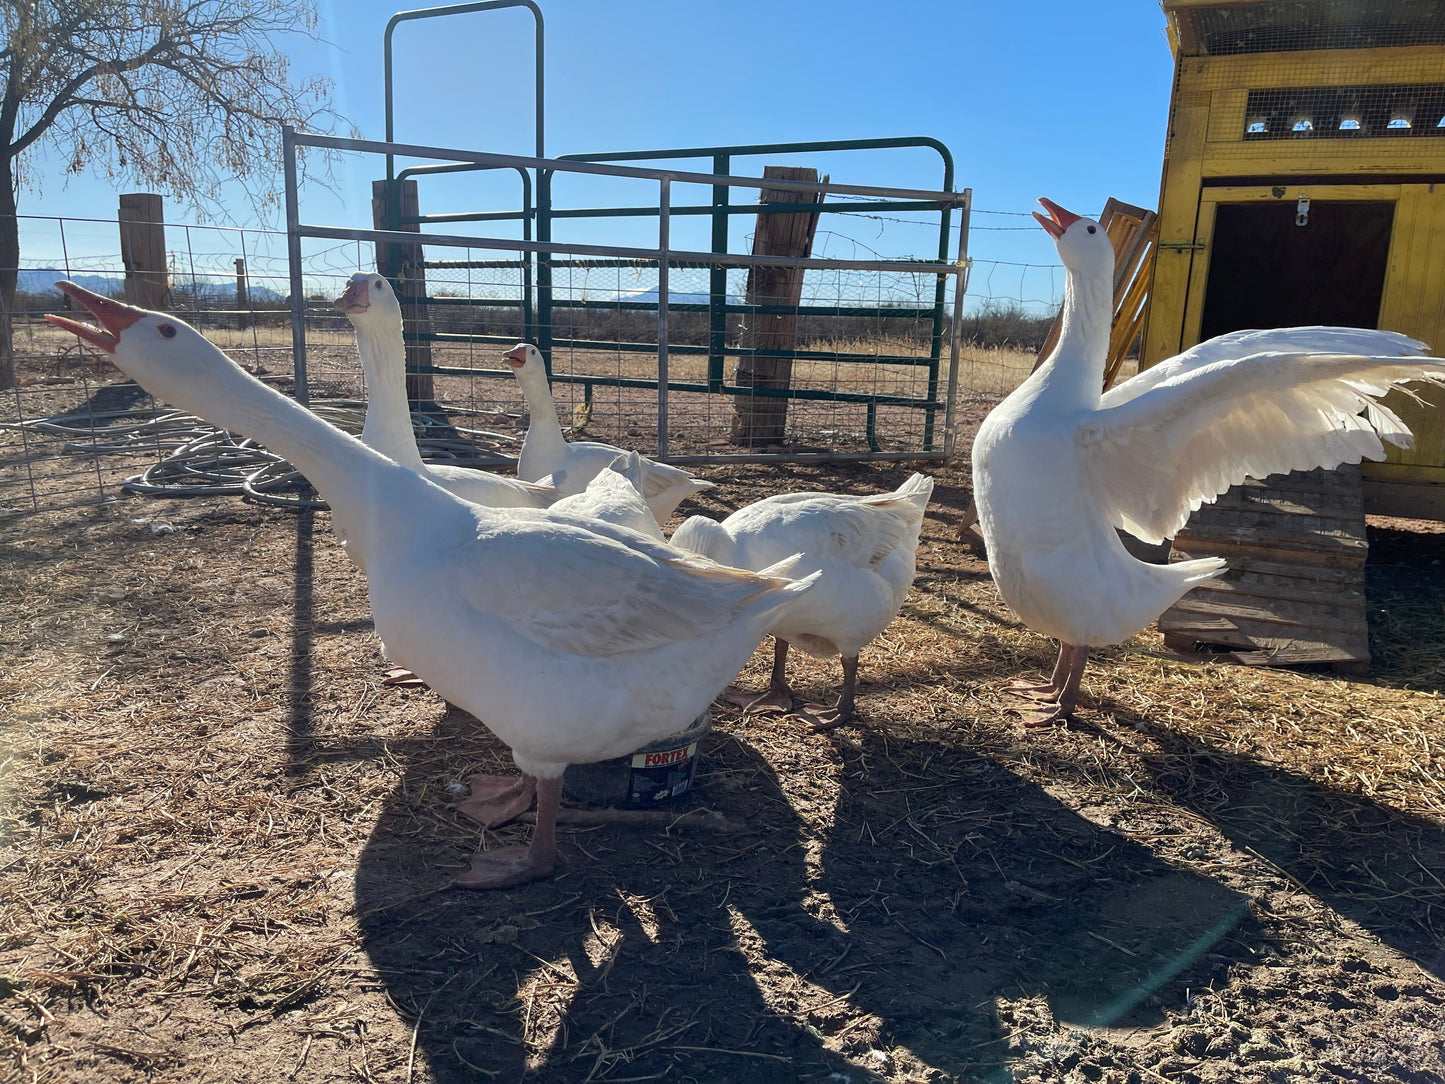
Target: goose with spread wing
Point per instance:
(574, 640)
(1058, 466)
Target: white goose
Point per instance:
(865, 548)
(1057, 466)
(374, 312)
(545, 451)
(574, 640)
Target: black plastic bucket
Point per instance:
(653, 775)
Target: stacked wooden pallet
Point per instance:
(1295, 589)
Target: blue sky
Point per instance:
(1031, 100)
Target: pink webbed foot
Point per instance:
(497, 799)
(1047, 715)
(517, 865)
(506, 866)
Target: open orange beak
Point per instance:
(115, 316)
(1059, 219)
(517, 356)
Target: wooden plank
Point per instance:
(1244, 583)
(143, 250)
(403, 262)
(1287, 647)
(765, 420)
(1234, 549)
(1410, 499)
(1309, 614)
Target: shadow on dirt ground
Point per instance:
(944, 882)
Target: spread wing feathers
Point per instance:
(1155, 457)
(614, 591)
(1239, 344)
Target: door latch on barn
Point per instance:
(1302, 211)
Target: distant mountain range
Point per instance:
(674, 297)
(43, 280)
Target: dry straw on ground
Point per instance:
(228, 846)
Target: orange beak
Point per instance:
(1059, 219)
(517, 356)
(115, 316)
(354, 299)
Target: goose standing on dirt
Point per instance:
(574, 640)
(371, 306)
(865, 548)
(546, 452)
(1057, 466)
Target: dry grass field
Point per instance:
(228, 847)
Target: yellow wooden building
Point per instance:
(1304, 183)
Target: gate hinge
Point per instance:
(1181, 246)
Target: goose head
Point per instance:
(162, 353)
(1083, 244)
(368, 293)
(526, 359)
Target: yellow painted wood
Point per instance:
(1313, 68)
(1206, 143)
(1178, 206)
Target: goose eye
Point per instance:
(1093, 230)
(377, 284)
(168, 331)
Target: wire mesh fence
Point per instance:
(74, 430)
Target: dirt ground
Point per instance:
(228, 848)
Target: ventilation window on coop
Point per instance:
(1351, 112)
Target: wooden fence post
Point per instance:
(404, 262)
(243, 301)
(763, 420)
(143, 250)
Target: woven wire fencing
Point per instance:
(74, 431)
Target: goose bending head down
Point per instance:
(574, 640)
(1058, 466)
(545, 451)
(371, 305)
(864, 547)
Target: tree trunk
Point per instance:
(9, 269)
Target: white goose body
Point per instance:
(545, 451)
(864, 548)
(1058, 467)
(371, 306)
(573, 640)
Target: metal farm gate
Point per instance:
(692, 355)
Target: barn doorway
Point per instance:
(1265, 271)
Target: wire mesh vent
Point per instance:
(1356, 112)
(1284, 27)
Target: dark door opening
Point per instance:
(1264, 271)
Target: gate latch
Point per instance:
(1302, 211)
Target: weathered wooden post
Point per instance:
(403, 262)
(243, 302)
(758, 419)
(143, 250)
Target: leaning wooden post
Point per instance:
(143, 250)
(764, 419)
(403, 263)
(243, 302)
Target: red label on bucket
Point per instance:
(660, 760)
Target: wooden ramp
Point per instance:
(1295, 589)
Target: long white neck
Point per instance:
(544, 432)
(363, 487)
(388, 426)
(1074, 372)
